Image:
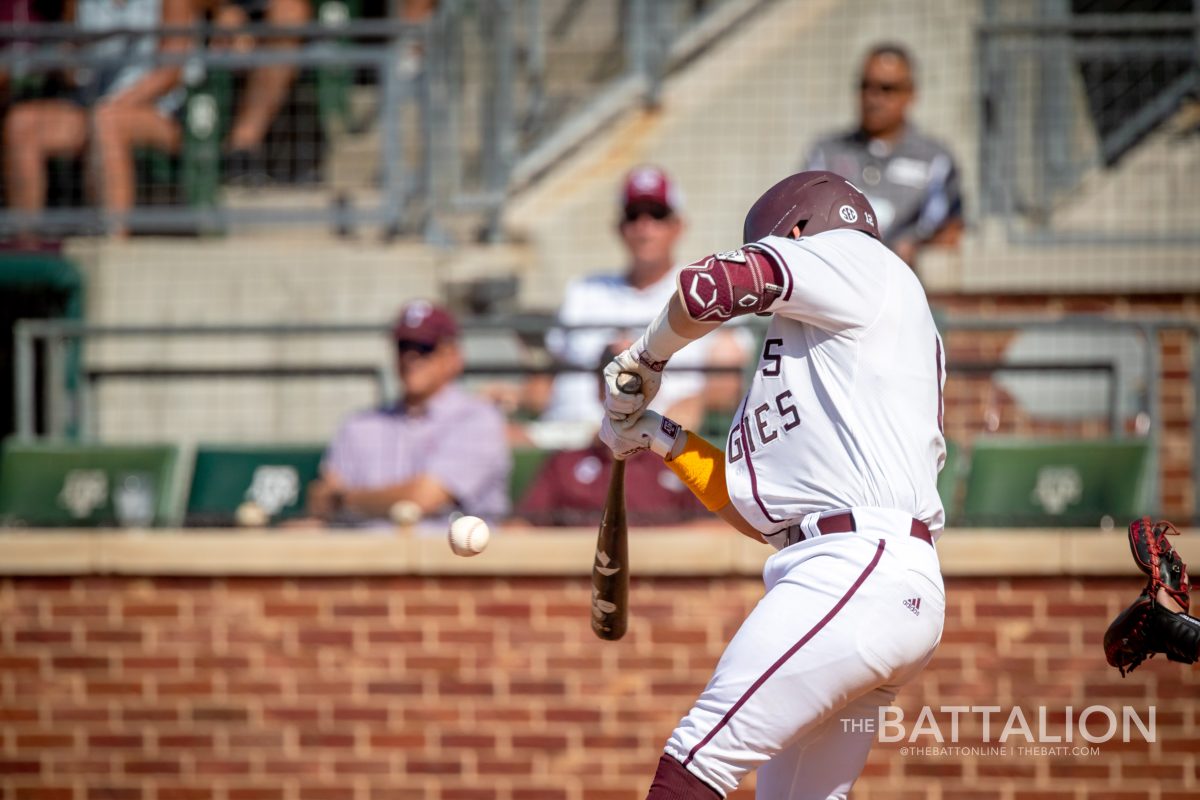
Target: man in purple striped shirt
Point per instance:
(439, 449)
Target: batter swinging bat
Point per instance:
(610, 570)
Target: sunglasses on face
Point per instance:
(883, 88)
(419, 348)
(658, 213)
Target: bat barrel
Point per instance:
(610, 570)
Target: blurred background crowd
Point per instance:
(356, 263)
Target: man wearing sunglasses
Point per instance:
(910, 178)
(439, 448)
(649, 224)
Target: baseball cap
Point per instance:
(649, 185)
(423, 322)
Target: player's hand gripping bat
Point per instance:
(610, 570)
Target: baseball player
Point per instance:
(832, 459)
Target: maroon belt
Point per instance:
(843, 522)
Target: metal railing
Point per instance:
(1128, 395)
(1063, 98)
(410, 127)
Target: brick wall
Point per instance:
(460, 688)
(976, 404)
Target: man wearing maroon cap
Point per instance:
(571, 487)
(439, 448)
(649, 226)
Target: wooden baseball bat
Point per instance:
(610, 569)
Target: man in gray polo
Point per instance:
(910, 178)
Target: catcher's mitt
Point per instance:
(1146, 627)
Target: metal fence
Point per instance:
(411, 127)
(1075, 378)
(1072, 100)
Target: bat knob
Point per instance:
(629, 382)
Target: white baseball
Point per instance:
(469, 536)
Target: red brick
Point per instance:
(219, 714)
(116, 741)
(44, 793)
(175, 792)
(401, 687)
(159, 610)
(110, 792)
(326, 637)
(44, 741)
(113, 636)
(326, 793)
(359, 610)
(152, 767)
(42, 635)
(351, 767)
(185, 741)
(534, 793)
(254, 793)
(325, 740)
(222, 766)
(287, 766)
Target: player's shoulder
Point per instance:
(826, 245)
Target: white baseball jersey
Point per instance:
(845, 408)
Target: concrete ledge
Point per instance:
(694, 552)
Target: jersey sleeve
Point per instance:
(825, 282)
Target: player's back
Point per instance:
(845, 406)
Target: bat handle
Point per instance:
(629, 382)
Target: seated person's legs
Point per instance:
(118, 129)
(266, 87)
(34, 132)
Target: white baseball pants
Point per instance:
(847, 619)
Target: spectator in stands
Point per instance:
(266, 88)
(112, 110)
(439, 447)
(17, 13)
(910, 178)
(649, 226)
(571, 486)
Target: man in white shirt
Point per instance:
(650, 225)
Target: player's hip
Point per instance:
(888, 540)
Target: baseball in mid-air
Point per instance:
(469, 536)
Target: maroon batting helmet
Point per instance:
(816, 201)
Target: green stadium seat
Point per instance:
(525, 464)
(207, 113)
(334, 82)
(87, 485)
(1014, 482)
(275, 477)
(949, 482)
